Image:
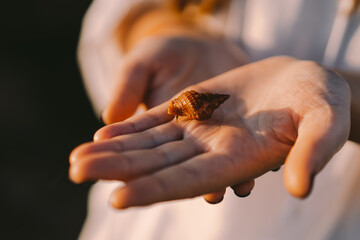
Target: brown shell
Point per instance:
(194, 105)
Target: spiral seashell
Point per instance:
(194, 105)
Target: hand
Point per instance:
(280, 110)
(159, 66)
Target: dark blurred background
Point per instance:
(44, 115)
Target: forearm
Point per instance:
(158, 20)
(353, 79)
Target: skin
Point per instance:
(281, 110)
(166, 53)
(160, 66)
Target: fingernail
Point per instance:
(242, 196)
(215, 202)
(276, 169)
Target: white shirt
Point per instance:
(306, 29)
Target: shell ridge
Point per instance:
(194, 105)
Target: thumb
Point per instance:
(128, 93)
(320, 135)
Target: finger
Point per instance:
(216, 197)
(149, 119)
(243, 189)
(276, 169)
(321, 134)
(128, 92)
(200, 175)
(150, 138)
(125, 166)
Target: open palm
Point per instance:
(279, 110)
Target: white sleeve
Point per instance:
(98, 54)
